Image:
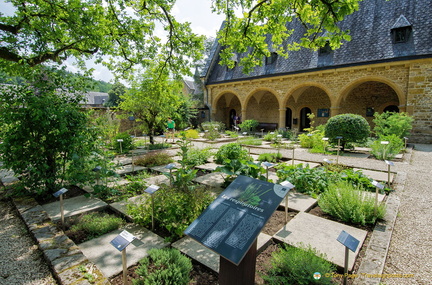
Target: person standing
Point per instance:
(171, 128)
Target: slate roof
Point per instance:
(371, 41)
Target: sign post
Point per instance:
(350, 243)
(338, 148)
(267, 165)
(289, 186)
(151, 190)
(60, 193)
(97, 169)
(170, 167)
(325, 141)
(384, 143)
(378, 186)
(389, 164)
(120, 242)
(120, 142)
(231, 224)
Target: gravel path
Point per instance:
(20, 259)
(410, 249)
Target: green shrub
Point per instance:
(387, 151)
(231, 151)
(291, 265)
(126, 144)
(390, 123)
(350, 204)
(312, 181)
(232, 134)
(270, 157)
(234, 168)
(192, 134)
(96, 224)
(174, 210)
(357, 179)
(158, 146)
(353, 128)
(196, 156)
(250, 141)
(313, 140)
(163, 266)
(248, 125)
(211, 126)
(270, 136)
(154, 159)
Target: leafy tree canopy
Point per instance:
(121, 33)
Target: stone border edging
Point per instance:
(65, 258)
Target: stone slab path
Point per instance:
(322, 235)
(208, 166)
(299, 202)
(109, 260)
(129, 169)
(376, 175)
(73, 206)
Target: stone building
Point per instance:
(387, 66)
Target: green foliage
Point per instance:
(270, 157)
(163, 266)
(231, 151)
(390, 123)
(357, 179)
(312, 181)
(154, 159)
(350, 204)
(159, 146)
(234, 167)
(314, 141)
(192, 134)
(249, 141)
(352, 128)
(174, 210)
(126, 144)
(232, 134)
(197, 156)
(292, 265)
(248, 125)
(114, 94)
(387, 151)
(96, 224)
(43, 129)
(212, 129)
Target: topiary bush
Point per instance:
(350, 204)
(292, 265)
(353, 128)
(231, 151)
(163, 266)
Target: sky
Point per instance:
(197, 12)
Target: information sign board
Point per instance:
(121, 241)
(60, 192)
(348, 240)
(377, 184)
(230, 225)
(388, 162)
(151, 189)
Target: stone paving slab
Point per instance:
(121, 206)
(207, 257)
(122, 160)
(109, 260)
(162, 168)
(157, 180)
(296, 162)
(118, 182)
(321, 234)
(74, 206)
(128, 169)
(208, 166)
(299, 202)
(376, 175)
(214, 179)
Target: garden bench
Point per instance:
(267, 127)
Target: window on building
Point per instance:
(325, 49)
(271, 59)
(401, 35)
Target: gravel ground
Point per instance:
(21, 261)
(410, 249)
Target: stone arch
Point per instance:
(223, 105)
(310, 95)
(368, 95)
(262, 105)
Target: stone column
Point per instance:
(282, 117)
(243, 115)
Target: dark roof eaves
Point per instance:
(323, 68)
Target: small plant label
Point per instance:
(121, 241)
(231, 224)
(151, 189)
(348, 241)
(60, 192)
